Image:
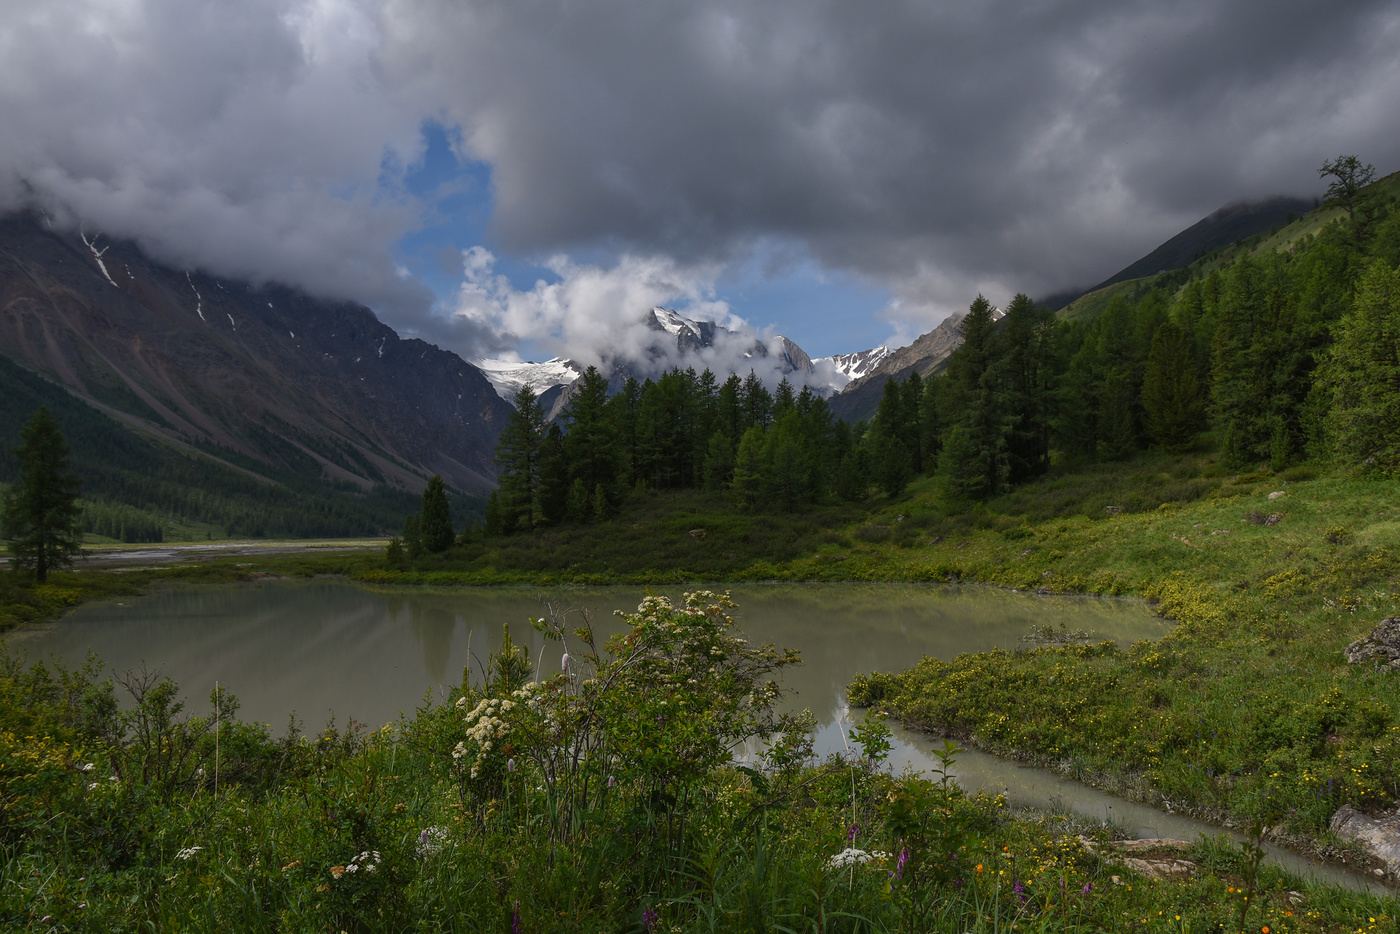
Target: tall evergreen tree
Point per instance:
(518, 459)
(591, 451)
(1027, 362)
(973, 405)
(435, 527)
(1171, 393)
(41, 513)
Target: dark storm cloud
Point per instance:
(932, 148)
(935, 147)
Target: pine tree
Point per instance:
(1117, 421)
(746, 487)
(1171, 394)
(518, 460)
(719, 462)
(41, 511)
(592, 452)
(554, 477)
(1026, 361)
(435, 528)
(973, 405)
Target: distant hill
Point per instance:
(260, 383)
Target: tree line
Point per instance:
(1283, 355)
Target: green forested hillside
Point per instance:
(138, 489)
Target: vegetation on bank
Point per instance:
(599, 798)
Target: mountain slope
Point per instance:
(1218, 229)
(269, 378)
(925, 356)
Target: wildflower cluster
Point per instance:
(368, 862)
(486, 726)
(851, 856)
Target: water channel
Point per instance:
(327, 648)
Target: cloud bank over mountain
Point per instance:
(934, 150)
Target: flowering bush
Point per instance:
(653, 711)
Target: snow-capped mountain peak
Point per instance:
(675, 324)
(509, 375)
(855, 365)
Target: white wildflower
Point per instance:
(850, 856)
(188, 852)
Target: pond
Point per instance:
(328, 648)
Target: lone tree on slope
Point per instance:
(40, 515)
(1349, 177)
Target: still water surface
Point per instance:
(325, 649)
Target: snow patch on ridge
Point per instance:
(198, 302)
(97, 255)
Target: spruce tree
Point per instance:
(592, 452)
(1171, 393)
(41, 513)
(435, 527)
(518, 460)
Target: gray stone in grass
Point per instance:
(1379, 836)
(1381, 646)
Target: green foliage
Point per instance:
(40, 512)
(1363, 419)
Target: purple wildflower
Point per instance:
(649, 919)
(510, 765)
(1020, 891)
(515, 926)
(851, 834)
(1088, 887)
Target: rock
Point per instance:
(1382, 646)
(1113, 510)
(1150, 843)
(1379, 836)
(1275, 494)
(1161, 868)
(698, 534)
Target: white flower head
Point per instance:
(188, 852)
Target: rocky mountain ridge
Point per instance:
(266, 373)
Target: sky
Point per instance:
(528, 177)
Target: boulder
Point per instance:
(1381, 647)
(1379, 836)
